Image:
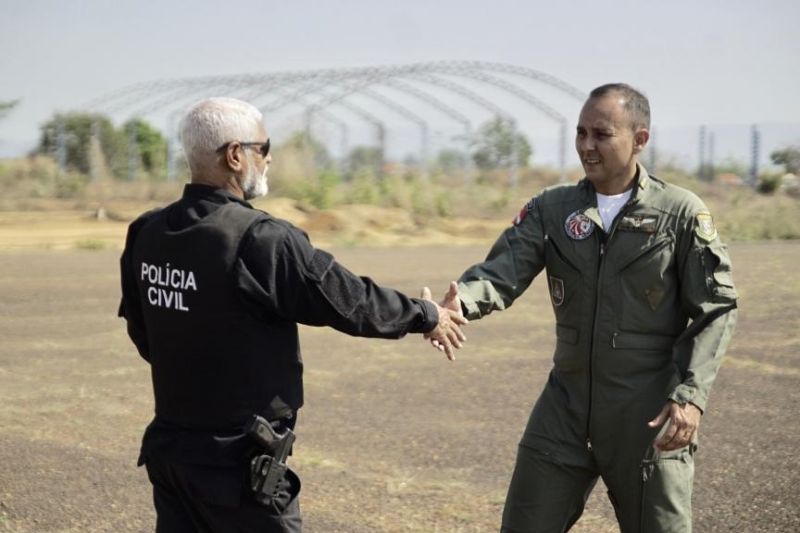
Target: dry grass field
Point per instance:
(393, 438)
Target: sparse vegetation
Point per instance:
(6, 107)
(789, 157)
(91, 145)
(499, 144)
(304, 172)
(90, 244)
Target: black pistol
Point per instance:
(268, 468)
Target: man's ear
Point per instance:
(233, 156)
(640, 138)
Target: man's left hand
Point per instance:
(683, 422)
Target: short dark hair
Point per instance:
(636, 103)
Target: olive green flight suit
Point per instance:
(644, 312)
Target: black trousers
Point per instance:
(205, 499)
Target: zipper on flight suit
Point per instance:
(601, 253)
(604, 243)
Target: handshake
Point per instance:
(447, 335)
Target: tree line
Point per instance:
(84, 142)
(90, 143)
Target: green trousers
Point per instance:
(650, 494)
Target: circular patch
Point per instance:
(578, 226)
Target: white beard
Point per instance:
(254, 184)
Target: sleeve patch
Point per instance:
(704, 227)
(527, 208)
(319, 265)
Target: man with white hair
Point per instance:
(212, 291)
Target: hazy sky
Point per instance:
(714, 62)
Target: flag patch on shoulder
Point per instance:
(527, 208)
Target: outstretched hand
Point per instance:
(447, 335)
(683, 422)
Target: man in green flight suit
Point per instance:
(644, 302)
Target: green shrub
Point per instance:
(363, 189)
(768, 183)
(90, 244)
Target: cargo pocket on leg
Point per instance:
(667, 479)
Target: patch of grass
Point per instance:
(758, 366)
(743, 215)
(311, 459)
(90, 244)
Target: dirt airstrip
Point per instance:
(393, 437)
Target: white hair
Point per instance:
(213, 122)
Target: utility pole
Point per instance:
(133, 153)
(514, 166)
(653, 160)
(710, 173)
(755, 145)
(424, 150)
(381, 149)
(61, 146)
(95, 149)
(701, 165)
(173, 147)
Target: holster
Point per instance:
(268, 468)
(266, 474)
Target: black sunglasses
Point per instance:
(262, 147)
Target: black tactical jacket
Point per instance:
(212, 291)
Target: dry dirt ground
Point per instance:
(393, 437)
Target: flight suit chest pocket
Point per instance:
(646, 280)
(563, 279)
(650, 257)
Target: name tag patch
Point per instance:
(643, 223)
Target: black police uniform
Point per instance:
(212, 291)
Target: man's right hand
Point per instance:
(447, 335)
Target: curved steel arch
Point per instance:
(380, 127)
(405, 113)
(378, 78)
(171, 99)
(464, 92)
(344, 129)
(375, 76)
(362, 113)
(386, 102)
(397, 84)
(150, 97)
(141, 90)
(362, 85)
(518, 71)
(536, 102)
(517, 91)
(431, 100)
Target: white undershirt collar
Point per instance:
(609, 207)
